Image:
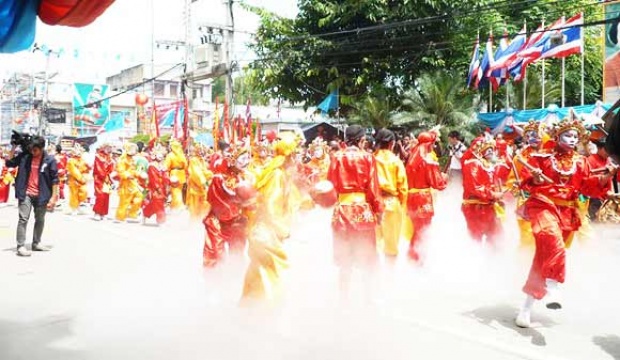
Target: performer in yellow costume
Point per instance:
(198, 181)
(176, 163)
(129, 190)
(270, 224)
(393, 185)
(533, 137)
(78, 173)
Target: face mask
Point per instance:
(489, 154)
(532, 138)
(318, 153)
(569, 139)
(242, 161)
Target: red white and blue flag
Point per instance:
(570, 38)
(474, 66)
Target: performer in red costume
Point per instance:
(102, 170)
(598, 160)
(226, 221)
(482, 190)
(423, 176)
(158, 187)
(353, 173)
(555, 178)
(61, 160)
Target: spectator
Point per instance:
(456, 150)
(36, 187)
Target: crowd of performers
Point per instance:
(246, 194)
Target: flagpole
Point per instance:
(563, 80)
(490, 98)
(525, 90)
(507, 94)
(583, 78)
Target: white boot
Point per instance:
(523, 320)
(552, 299)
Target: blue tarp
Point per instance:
(329, 103)
(496, 120)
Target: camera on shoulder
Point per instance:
(21, 139)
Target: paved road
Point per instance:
(127, 291)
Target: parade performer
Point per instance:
(482, 191)
(129, 190)
(532, 136)
(270, 224)
(316, 169)
(423, 176)
(61, 160)
(7, 178)
(226, 222)
(598, 160)
(158, 185)
(102, 171)
(198, 180)
(78, 174)
(176, 163)
(353, 173)
(393, 186)
(554, 180)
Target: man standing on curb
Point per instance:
(36, 187)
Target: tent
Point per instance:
(311, 131)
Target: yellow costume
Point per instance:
(270, 225)
(78, 173)
(393, 185)
(129, 190)
(176, 163)
(525, 228)
(197, 183)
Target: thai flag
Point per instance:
(535, 48)
(567, 41)
(485, 65)
(507, 53)
(498, 74)
(474, 65)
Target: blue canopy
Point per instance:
(499, 121)
(330, 102)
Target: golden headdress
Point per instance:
(159, 151)
(534, 126)
(318, 143)
(286, 144)
(77, 150)
(483, 144)
(130, 149)
(566, 125)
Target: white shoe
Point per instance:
(523, 319)
(97, 218)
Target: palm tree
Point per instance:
(372, 112)
(534, 91)
(440, 98)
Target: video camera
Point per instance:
(21, 139)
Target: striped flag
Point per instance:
(474, 65)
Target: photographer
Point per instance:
(36, 186)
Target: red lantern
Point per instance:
(141, 99)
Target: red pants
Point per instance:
(420, 225)
(61, 190)
(155, 207)
(102, 204)
(4, 192)
(233, 232)
(550, 256)
(482, 220)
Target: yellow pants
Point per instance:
(77, 195)
(585, 231)
(267, 261)
(176, 194)
(197, 205)
(129, 204)
(391, 226)
(526, 236)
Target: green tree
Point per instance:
(357, 45)
(372, 112)
(439, 98)
(245, 89)
(218, 89)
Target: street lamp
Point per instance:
(42, 130)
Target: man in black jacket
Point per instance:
(36, 186)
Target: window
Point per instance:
(174, 90)
(158, 89)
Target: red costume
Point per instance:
(7, 177)
(552, 211)
(353, 173)
(103, 168)
(158, 184)
(481, 184)
(225, 222)
(61, 161)
(423, 175)
(595, 161)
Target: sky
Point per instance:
(121, 38)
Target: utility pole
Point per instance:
(228, 51)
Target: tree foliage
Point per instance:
(359, 46)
